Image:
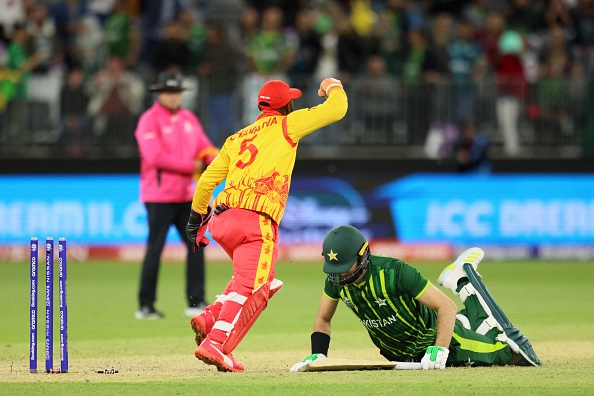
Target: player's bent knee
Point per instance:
(251, 310)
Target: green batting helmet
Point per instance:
(342, 247)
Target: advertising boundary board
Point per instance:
(78, 207)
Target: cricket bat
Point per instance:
(341, 364)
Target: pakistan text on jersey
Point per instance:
(374, 323)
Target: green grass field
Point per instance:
(552, 303)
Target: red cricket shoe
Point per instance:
(198, 324)
(210, 353)
(202, 325)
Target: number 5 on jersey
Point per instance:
(245, 146)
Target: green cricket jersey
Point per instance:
(386, 304)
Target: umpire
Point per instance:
(173, 148)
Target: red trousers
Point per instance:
(251, 241)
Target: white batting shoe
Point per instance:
(194, 311)
(454, 272)
(148, 313)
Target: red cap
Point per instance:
(275, 94)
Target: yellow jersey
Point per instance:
(257, 161)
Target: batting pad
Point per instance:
(341, 364)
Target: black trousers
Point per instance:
(160, 217)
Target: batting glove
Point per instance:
(327, 85)
(435, 358)
(197, 227)
(307, 360)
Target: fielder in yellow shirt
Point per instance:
(257, 163)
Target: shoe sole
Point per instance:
(198, 329)
(211, 359)
(472, 256)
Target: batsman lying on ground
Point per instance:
(407, 317)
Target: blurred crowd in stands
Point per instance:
(451, 76)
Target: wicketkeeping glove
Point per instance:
(197, 227)
(435, 358)
(327, 85)
(307, 360)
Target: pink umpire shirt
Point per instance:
(169, 143)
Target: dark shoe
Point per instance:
(519, 360)
(148, 313)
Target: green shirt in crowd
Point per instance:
(17, 55)
(117, 33)
(267, 49)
